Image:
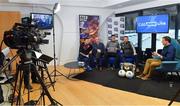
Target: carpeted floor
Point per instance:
(156, 87)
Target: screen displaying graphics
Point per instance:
(42, 20)
(152, 24)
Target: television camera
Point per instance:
(24, 35)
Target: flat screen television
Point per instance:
(42, 20)
(152, 24)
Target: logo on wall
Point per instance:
(116, 26)
(88, 26)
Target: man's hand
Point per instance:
(90, 52)
(157, 54)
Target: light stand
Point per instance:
(56, 8)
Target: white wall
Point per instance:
(66, 28)
(70, 40)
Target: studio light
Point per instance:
(57, 7)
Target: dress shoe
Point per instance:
(140, 76)
(147, 77)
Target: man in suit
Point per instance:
(167, 54)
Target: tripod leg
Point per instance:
(20, 86)
(42, 77)
(38, 101)
(16, 78)
(44, 87)
(172, 100)
(50, 78)
(54, 74)
(43, 99)
(29, 69)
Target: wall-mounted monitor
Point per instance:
(42, 20)
(152, 24)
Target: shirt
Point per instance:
(85, 48)
(112, 46)
(168, 53)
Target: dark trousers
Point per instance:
(99, 57)
(128, 58)
(115, 55)
(1, 95)
(87, 61)
(27, 69)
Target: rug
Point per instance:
(156, 87)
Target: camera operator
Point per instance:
(28, 67)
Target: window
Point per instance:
(146, 41)
(130, 21)
(160, 36)
(130, 27)
(133, 37)
(172, 11)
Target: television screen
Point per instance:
(42, 20)
(152, 24)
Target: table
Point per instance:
(72, 66)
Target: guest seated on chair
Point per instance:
(98, 52)
(112, 48)
(168, 54)
(85, 52)
(127, 48)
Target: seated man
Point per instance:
(127, 48)
(85, 52)
(98, 51)
(112, 48)
(168, 54)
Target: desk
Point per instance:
(72, 66)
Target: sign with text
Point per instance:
(152, 24)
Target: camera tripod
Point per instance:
(43, 68)
(26, 63)
(176, 95)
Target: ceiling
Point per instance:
(114, 4)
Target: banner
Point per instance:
(88, 26)
(116, 26)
